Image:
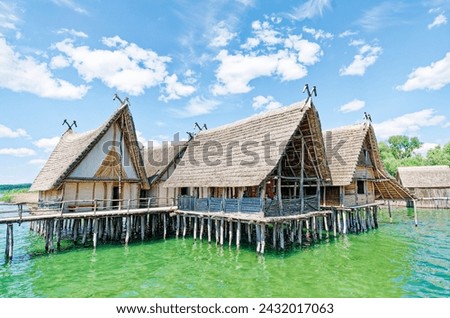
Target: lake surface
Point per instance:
(396, 260)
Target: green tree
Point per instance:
(439, 155)
(403, 147)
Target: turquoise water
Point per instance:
(396, 260)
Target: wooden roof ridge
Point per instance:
(73, 147)
(424, 176)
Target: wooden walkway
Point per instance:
(83, 223)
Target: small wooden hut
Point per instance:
(272, 163)
(429, 184)
(104, 164)
(357, 172)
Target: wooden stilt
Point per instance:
(95, 232)
(209, 229)
(308, 232)
(249, 232)
(128, 230)
(292, 231)
(274, 236)
(300, 232)
(389, 210)
(9, 241)
(338, 220)
(344, 221)
(195, 227)
(325, 223)
(165, 225)
(221, 231)
(202, 223)
(216, 230)
(263, 238)
(258, 238)
(238, 234)
(230, 232)
(184, 226)
(142, 227)
(84, 231)
(319, 221)
(375, 216)
(416, 221)
(58, 233)
(75, 230)
(177, 231)
(314, 227)
(281, 231)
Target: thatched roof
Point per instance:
(74, 147)
(159, 158)
(244, 153)
(344, 146)
(424, 176)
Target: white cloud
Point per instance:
(6, 132)
(318, 34)
(198, 106)
(408, 124)
(352, 106)
(72, 32)
(174, 89)
(140, 138)
(70, 4)
(48, 144)
(114, 41)
(19, 74)
(128, 68)
(367, 55)
(441, 19)
(382, 15)
(267, 103)
(17, 152)
(37, 162)
(222, 35)
(347, 33)
(247, 3)
(58, 62)
(8, 16)
(285, 57)
(308, 52)
(432, 77)
(310, 9)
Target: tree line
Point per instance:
(400, 151)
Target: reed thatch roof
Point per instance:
(244, 153)
(424, 176)
(344, 146)
(74, 147)
(159, 158)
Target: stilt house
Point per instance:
(429, 184)
(357, 172)
(272, 163)
(104, 164)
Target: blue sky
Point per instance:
(214, 62)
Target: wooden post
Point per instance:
(274, 236)
(230, 232)
(302, 174)
(258, 238)
(334, 221)
(128, 230)
(344, 220)
(238, 234)
(84, 231)
(325, 223)
(209, 229)
(281, 231)
(279, 196)
(58, 233)
(177, 231)
(263, 238)
(314, 227)
(300, 232)
(221, 231)
(319, 220)
(202, 222)
(308, 233)
(415, 213)
(389, 210)
(142, 227)
(94, 235)
(217, 232)
(9, 242)
(184, 226)
(195, 227)
(375, 216)
(165, 225)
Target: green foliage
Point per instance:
(398, 151)
(7, 187)
(402, 146)
(8, 196)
